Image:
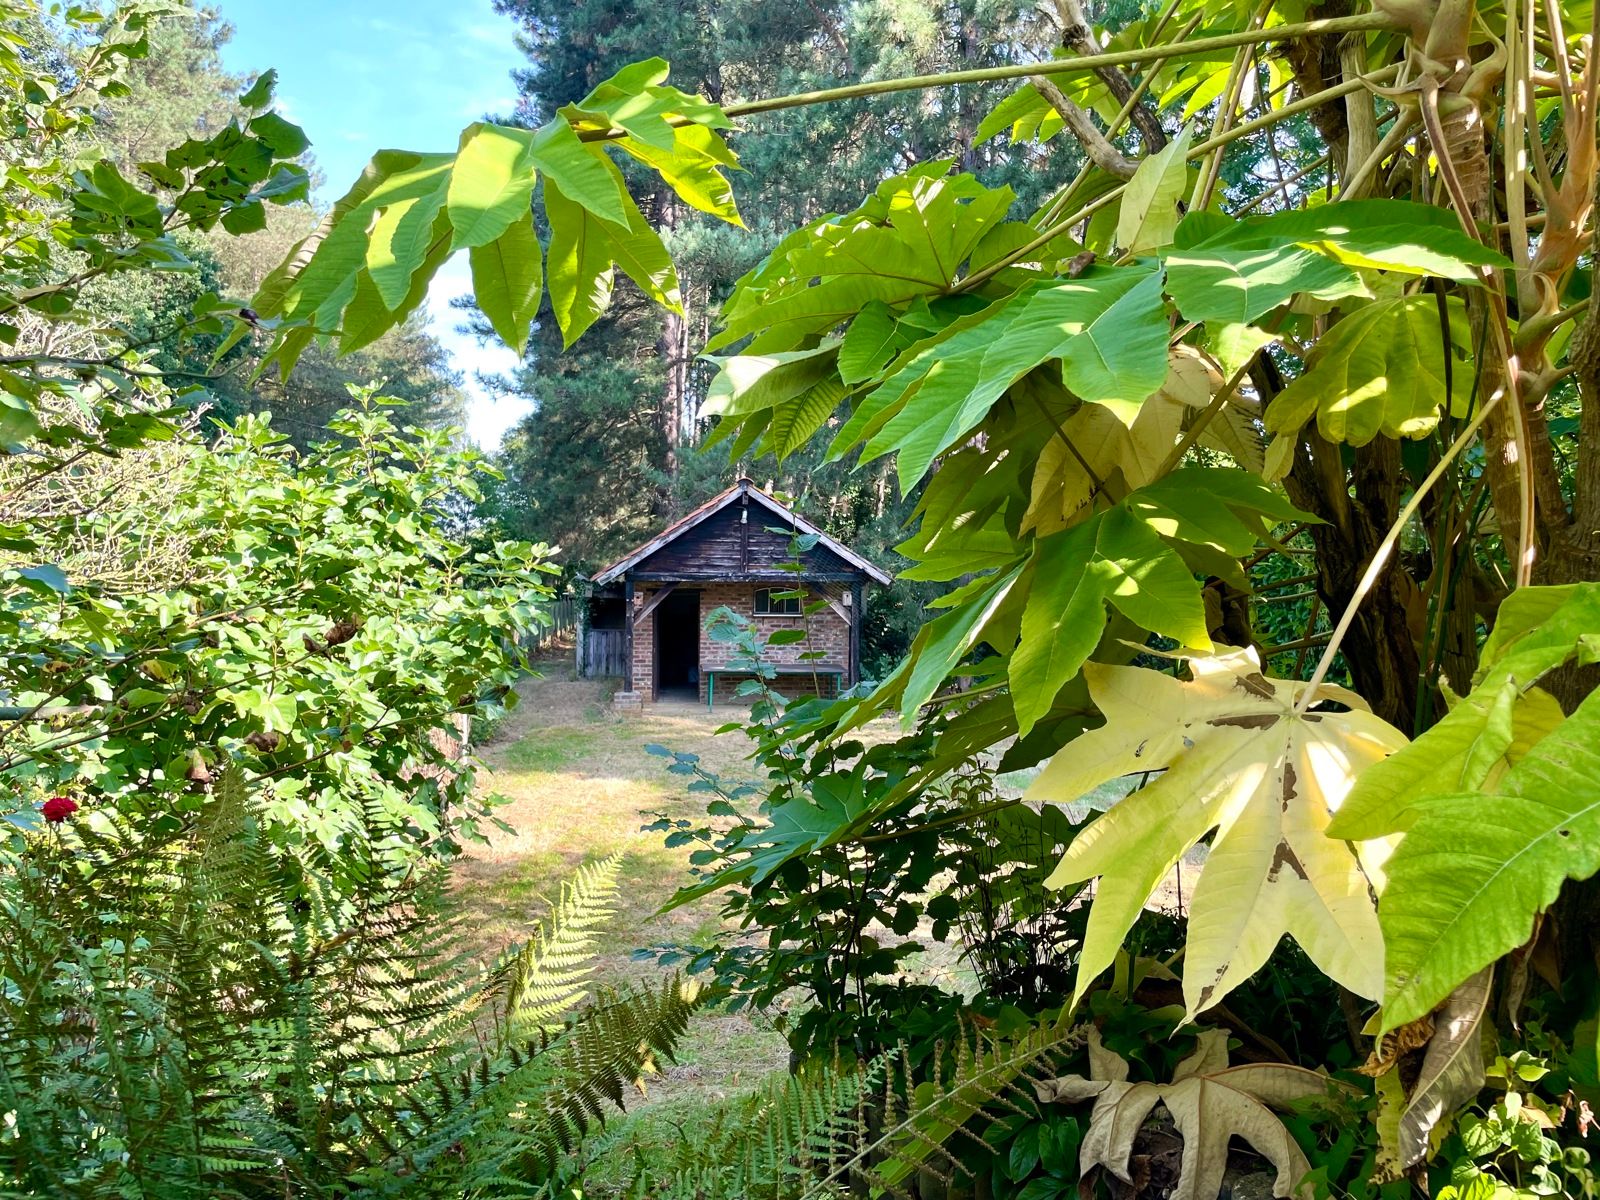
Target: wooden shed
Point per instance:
(645, 615)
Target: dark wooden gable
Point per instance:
(724, 547)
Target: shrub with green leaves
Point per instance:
(322, 624)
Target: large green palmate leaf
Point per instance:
(379, 243)
(1499, 803)
(1213, 515)
(637, 100)
(693, 169)
(1537, 629)
(944, 393)
(1118, 359)
(1475, 869)
(1388, 368)
(1114, 558)
(1237, 761)
(908, 240)
(368, 316)
(581, 270)
(970, 510)
(872, 341)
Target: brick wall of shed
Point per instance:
(644, 646)
(827, 631)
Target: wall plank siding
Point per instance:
(724, 547)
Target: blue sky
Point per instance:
(359, 75)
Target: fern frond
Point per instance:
(550, 975)
(980, 1071)
(794, 1130)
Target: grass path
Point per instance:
(578, 781)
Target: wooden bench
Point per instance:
(834, 673)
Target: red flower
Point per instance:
(59, 808)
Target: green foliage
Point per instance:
(314, 619)
(181, 1017)
(773, 1143)
(1500, 807)
(74, 218)
(1081, 397)
(367, 269)
(1382, 370)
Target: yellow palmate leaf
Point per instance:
(1229, 754)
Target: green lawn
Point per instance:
(578, 783)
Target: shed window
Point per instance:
(771, 602)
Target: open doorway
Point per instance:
(678, 645)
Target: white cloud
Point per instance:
(495, 104)
(492, 33)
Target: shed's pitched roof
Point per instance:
(715, 505)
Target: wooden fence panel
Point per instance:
(562, 617)
(602, 652)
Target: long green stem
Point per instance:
(1071, 65)
(1074, 65)
(1385, 547)
(1316, 99)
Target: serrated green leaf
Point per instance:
(284, 138)
(1475, 869)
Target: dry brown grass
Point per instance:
(578, 785)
